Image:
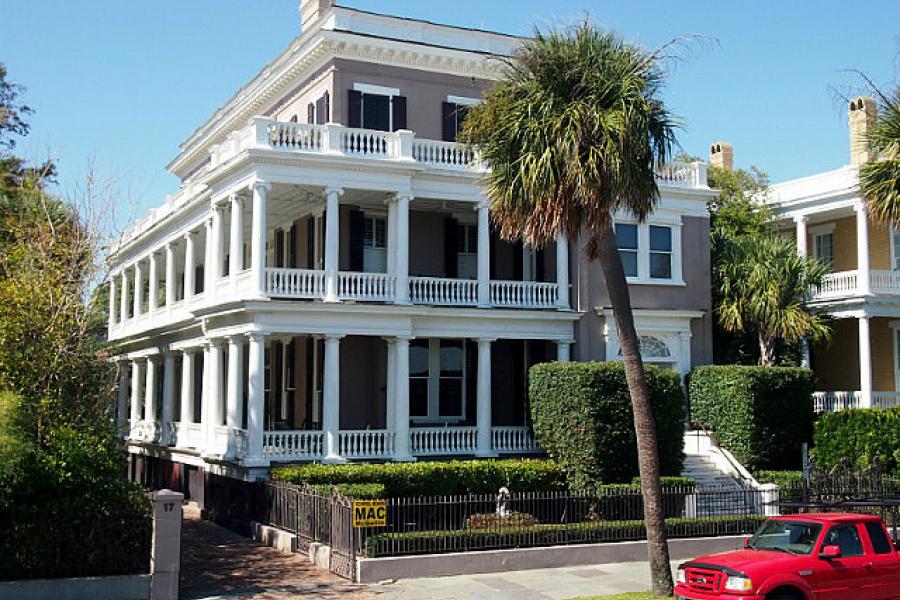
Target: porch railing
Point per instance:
(446, 155)
(434, 441)
(443, 291)
(366, 286)
(295, 283)
(885, 399)
(846, 284)
(527, 294)
(293, 445)
(833, 401)
(368, 443)
(513, 439)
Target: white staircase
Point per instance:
(724, 486)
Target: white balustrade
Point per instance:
(433, 441)
(441, 291)
(682, 174)
(368, 142)
(833, 401)
(884, 282)
(146, 431)
(295, 283)
(366, 286)
(369, 443)
(445, 155)
(293, 445)
(524, 294)
(837, 285)
(513, 439)
(885, 399)
(296, 136)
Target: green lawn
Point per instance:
(628, 596)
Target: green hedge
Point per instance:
(761, 414)
(859, 436)
(353, 490)
(782, 479)
(459, 540)
(582, 417)
(401, 480)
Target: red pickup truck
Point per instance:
(800, 557)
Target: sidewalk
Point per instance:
(217, 563)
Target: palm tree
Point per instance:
(880, 179)
(765, 284)
(573, 133)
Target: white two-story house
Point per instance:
(326, 285)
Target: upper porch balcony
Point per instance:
(846, 285)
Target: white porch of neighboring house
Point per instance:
(253, 399)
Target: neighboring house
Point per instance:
(827, 216)
(326, 285)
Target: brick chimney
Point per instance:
(861, 113)
(721, 154)
(312, 10)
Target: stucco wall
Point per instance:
(882, 338)
(363, 382)
(426, 242)
(837, 363)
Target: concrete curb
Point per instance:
(122, 587)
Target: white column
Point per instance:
(401, 404)
(258, 234)
(112, 301)
(214, 397)
(562, 270)
(331, 404)
(190, 267)
(865, 363)
(168, 400)
(122, 399)
(401, 261)
(187, 387)
(391, 392)
(218, 252)
(137, 387)
(483, 394)
(564, 350)
(153, 301)
(236, 252)
(208, 259)
(392, 236)
(150, 391)
(332, 241)
(234, 415)
(138, 290)
(170, 274)
(801, 235)
(862, 249)
(484, 255)
(123, 303)
(256, 401)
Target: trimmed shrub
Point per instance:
(859, 436)
(363, 491)
(582, 417)
(782, 479)
(761, 414)
(402, 480)
(512, 520)
(623, 501)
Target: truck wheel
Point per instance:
(783, 596)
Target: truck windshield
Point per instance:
(793, 537)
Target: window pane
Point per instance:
(880, 542)
(376, 109)
(452, 358)
(660, 265)
(418, 358)
(896, 236)
(418, 397)
(629, 263)
(626, 236)
(846, 538)
(660, 238)
(450, 404)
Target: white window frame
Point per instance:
(820, 231)
(434, 385)
(367, 250)
(643, 251)
(472, 257)
(671, 326)
(463, 100)
(377, 90)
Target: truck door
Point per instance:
(884, 566)
(843, 578)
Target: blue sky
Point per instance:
(125, 82)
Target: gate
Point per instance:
(343, 538)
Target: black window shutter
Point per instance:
(279, 248)
(451, 247)
(518, 259)
(292, 249)
(311, 243)
(311, 114)
(398, 106)
(448, 120)
(357, 232)
(539, 272)
(199, 280)
(326, 110)
(354, 104)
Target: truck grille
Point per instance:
(706, 580)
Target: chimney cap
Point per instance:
(721, 154)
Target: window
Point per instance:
(895, 247)
(375, 107)
(823, 248)
(437, 380)
(880, 542)
(660, 252)
(655, 350)
(846, 538)
(467, 251)
(454, 115)
(374, 245)
(627, 242)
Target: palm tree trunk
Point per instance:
(766, 348)
(644, 424)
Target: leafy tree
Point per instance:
(573, 133)
(12, 112)
(766, 284)
(880, 179)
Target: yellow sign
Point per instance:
(369, 513)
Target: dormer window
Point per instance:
(376, 107)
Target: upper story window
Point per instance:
(437, 390)
(823, 244)
(467, 251)
(374, 244)
(650, 253)
(319, 112)
(376, 107)
(453, 115)
(895, 248)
